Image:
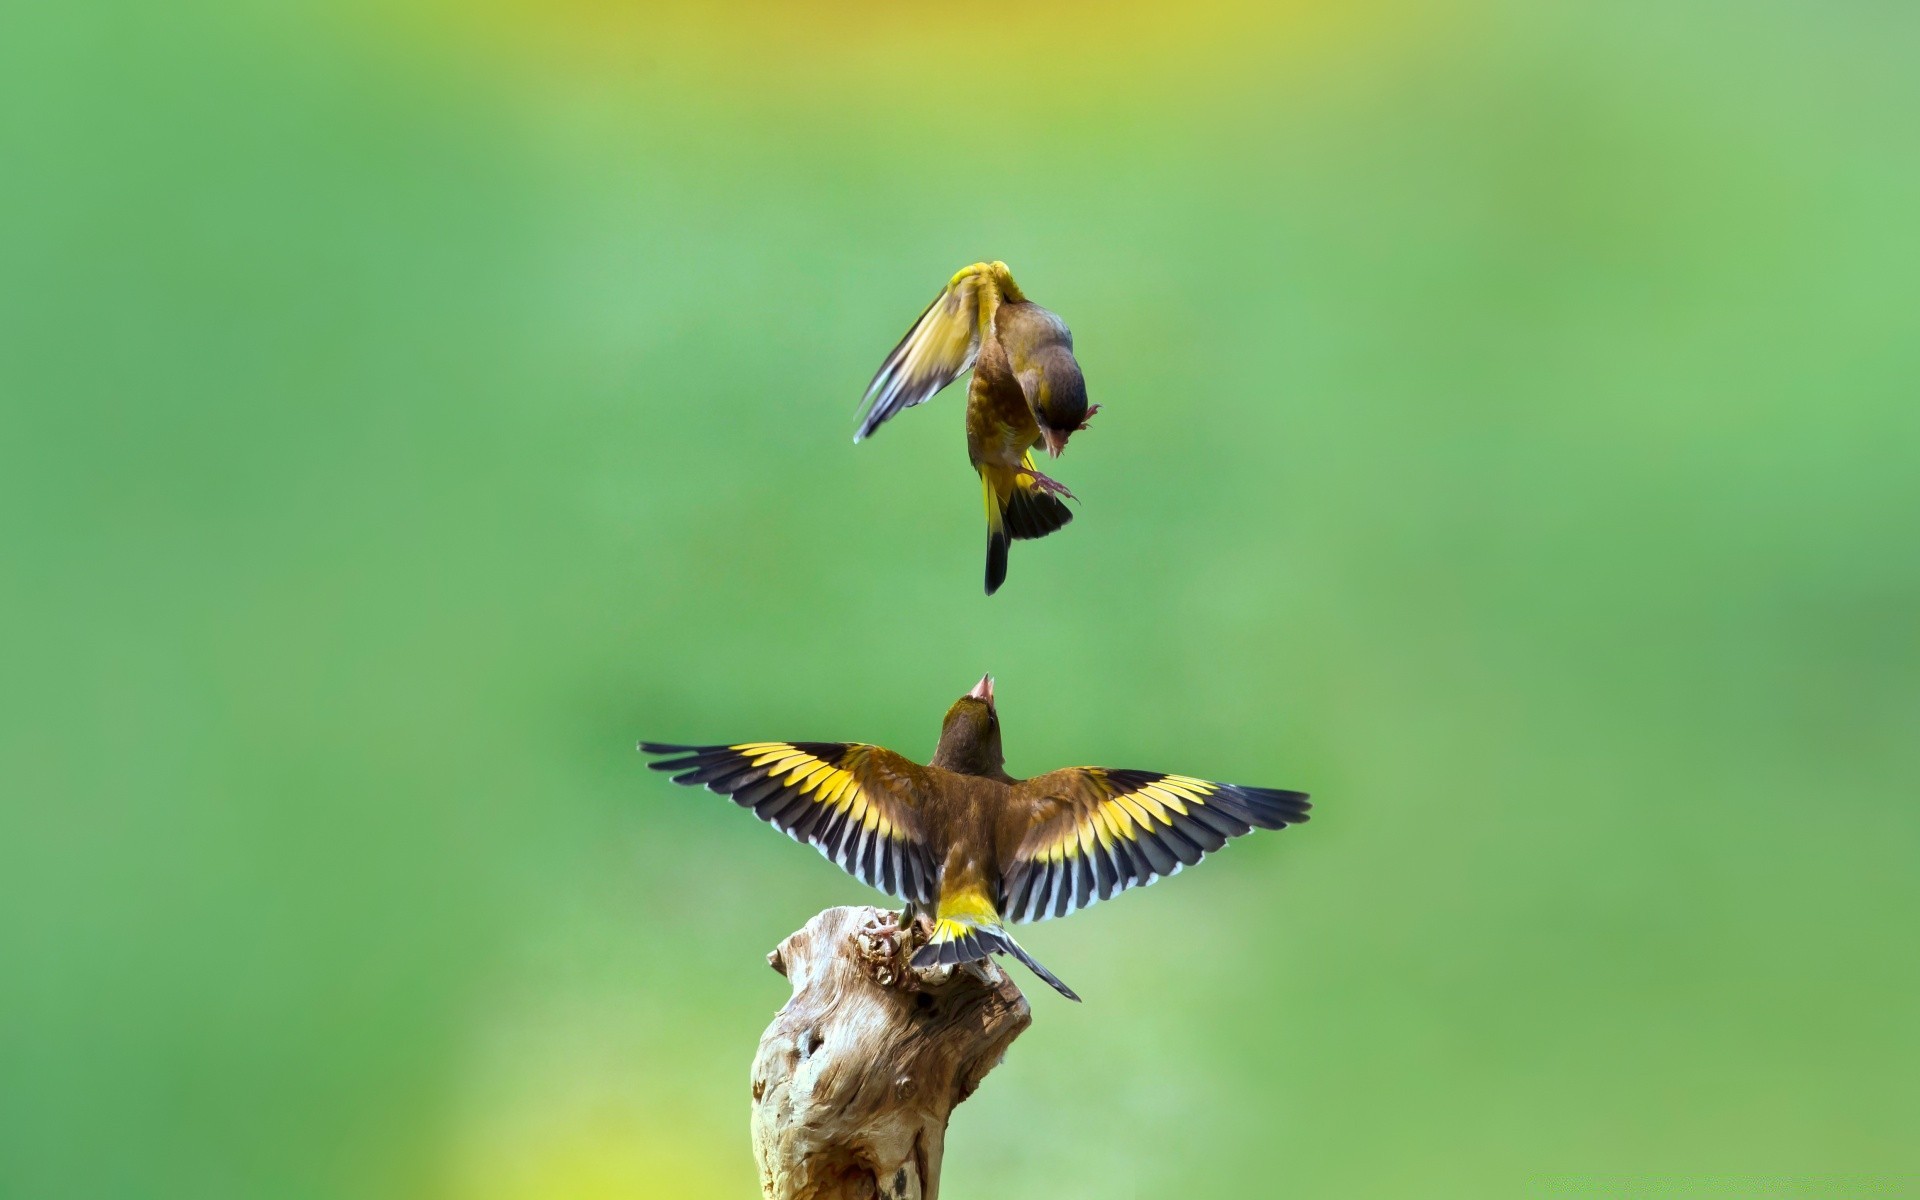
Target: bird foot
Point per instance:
(1084, 421)
(886, 947)
(1053, 487)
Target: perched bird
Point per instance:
(968, 843)
(1027, 390)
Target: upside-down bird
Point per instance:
(1026, 391)
(967, 843)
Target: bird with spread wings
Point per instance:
(968, 844)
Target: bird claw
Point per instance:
(1052, 487)
(886, 949)
(1091, 409)
(881, 947)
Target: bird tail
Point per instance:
(1017, 509)
(966, 929)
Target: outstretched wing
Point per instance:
(941, 344)
(857, 804)
(1103, 831)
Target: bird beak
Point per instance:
(1055, 440)
(983, 690)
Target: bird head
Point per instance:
(970, 735)
(1060, 402)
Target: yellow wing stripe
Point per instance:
(1135, 812)
(1169, 798)
(809, 774)
(1119, 829)
(940, 345)
(1102, 826)
(840, 791)
(827, 786)
(845, 818)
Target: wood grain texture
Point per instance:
(856, 1077)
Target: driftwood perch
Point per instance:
(857, 1075)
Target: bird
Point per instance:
(1027, 391)
(968, 845)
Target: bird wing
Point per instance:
(942, 344)
(1102, 831)
(858, 804)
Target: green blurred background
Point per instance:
(1510, 436)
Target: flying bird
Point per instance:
(1026, 391)
(967, 843)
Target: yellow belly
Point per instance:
(1000, 427)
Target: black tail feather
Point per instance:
(979, 943)
(1026, 512)
(1053, 981)
(1031, 513)
(996, 560)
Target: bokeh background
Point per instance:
(1510, 436)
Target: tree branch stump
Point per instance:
(857, 1075)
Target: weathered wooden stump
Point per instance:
(857, 1075)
